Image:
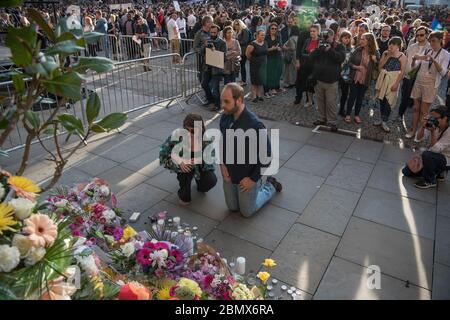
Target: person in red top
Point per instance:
(282, 4)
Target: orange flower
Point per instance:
(41, 230)
(59, 289)
(23, 187)
(134, 291)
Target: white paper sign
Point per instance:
(215, 58)
(177, 6)
(74, 10)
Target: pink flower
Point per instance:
(118, 233)
(149, 245)
(98, 208)
(161, 245)
(170, 264)
(143, 257)
(207, 281)
(159, 273)
(76, 233)
(177, 254)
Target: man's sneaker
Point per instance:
(422, 184)
(183, 203)
(377, 123)
(442, 176)
(385, 127)
(278, 187)
(410, 135)
(319, 123)
(267, 95)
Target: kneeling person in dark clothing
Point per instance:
(195, 168)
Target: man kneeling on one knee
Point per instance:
(243, 186)
(432, 164)
(188, 167)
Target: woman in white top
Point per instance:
(89, 27)
(181, 22)
(432, 67)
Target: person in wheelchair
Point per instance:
(433, 163)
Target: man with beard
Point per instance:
(243, 186)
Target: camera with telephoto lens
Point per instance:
(432, 122)
(324, 39)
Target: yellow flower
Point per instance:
(128, 233)
(24, 187)
(6, 217)
(163, 294)
(269, 263)
(191, 284)
(263, 276)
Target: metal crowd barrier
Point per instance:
(191, 76)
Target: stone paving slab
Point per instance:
(398, 254)
(303, 257)
(330, 209)
(140, 198)
(441, 280)
(147, 163)
(298, 189)
(364, 150)
(331, 141)
(313, 160)
(350, 174)
(409, 215)
(266, 228)
(121, 179)
(345, 280)
(231, 247)
(394, 154)
(442, 248)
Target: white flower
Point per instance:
(9, 258)
(160, 256)
(109, 239)
(2, 192)
(103, 191)
(22, 207)
(61, 203)
(88, 264)
(127, 249)
(109, 215)
(35, 255)
(22, 243)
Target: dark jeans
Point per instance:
(355, 98)
(229, 78)
(406, 101)
(211, 86)
(433, 164)
(345, 87)
(385, 110)
(207, 181)
(243, 69)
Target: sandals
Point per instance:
(358, 120)
(348, 119)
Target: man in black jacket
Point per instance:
(305, 22)
(327, 60)
(216, 73)
(287, 31)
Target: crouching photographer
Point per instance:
(327, 60)
(431, 164)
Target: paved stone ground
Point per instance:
(344, 207)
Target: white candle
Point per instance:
(240, 265)
(176, 222)
(283, 287)
(269, 288)
(274, 281)
(296, 296)
(160, 222)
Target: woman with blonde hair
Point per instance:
(89, 27)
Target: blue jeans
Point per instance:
(229, 78)
(248, 203)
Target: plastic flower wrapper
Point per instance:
(186, 289)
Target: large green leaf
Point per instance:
(113, 121)
(6, 116)
(71, 123)
(33, 118)
(37, 17)
(66, 85)
(92, 107)
(97, 129)
(98, 64)
(66, 36)
(64, 47)
(18, 82)
(11, 3)
(92, 37)
(21, 41)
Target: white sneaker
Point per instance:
(385, 127)
(409, 135)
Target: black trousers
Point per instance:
(207, 181)
(406, 101)
(345, 87)
(433, 164)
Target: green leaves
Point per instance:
(92, 107)
(21, 42)
(65, 47)
(18, 82)
(98, 64)
(33, 118)
(66, 85)
(112, 121)
(71, 123)
(92, 37)
(37, 17)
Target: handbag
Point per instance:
(415, 164)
